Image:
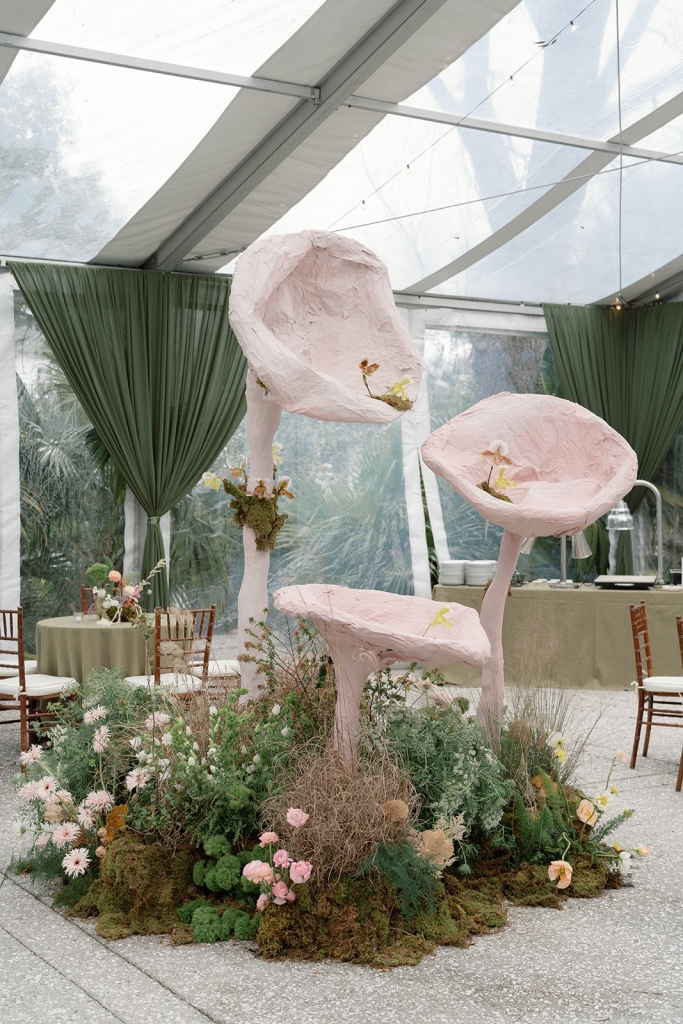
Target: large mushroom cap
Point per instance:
(307, 308)
(394, 627)
(568, 465)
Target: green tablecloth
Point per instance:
(582, 637)
(68, 648)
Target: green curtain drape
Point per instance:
(157, 369)
(627, 367)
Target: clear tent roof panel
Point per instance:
(237, 37)
(413, 192)
(569, 85)
(571, 255)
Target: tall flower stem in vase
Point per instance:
(490, 709)
(263, 419)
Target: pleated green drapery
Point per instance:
(627, 367)
(157, 369)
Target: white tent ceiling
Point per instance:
(476, 146)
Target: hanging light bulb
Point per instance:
(407, 168)
(363, 204)
(511, 80)
(572, 26)
(656, 295)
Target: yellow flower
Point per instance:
(277, 448)
(616, 847)
(613, 790)
(213, 481)
(502, 482)
(560, 754)
(440, 619)
(628, 812)
(601, 800)
(398, 388)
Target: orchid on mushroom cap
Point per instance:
(559, 468)
(314, 314)
(367, 630)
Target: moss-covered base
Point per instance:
(138, 891)
(357, 920)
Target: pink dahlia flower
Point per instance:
(137, 779)
(156, 720)
(76, 862)
(29, 790)
(95, 714)
(100, 800)
(267, 838)
(300, 871)
(66, 834)
(46, 787)
(30, 756)
(100, 740)
(281, 859)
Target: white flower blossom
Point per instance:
(136, 742)
(276, 709)
(285, 732)
(256, 758)
(213, 710)
(191, 762)
(167, 739)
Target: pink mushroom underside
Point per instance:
(368, 630)
(569, 466)
(307, 309)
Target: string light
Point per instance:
(407, 168)
(572, 26)
(656, 295)
(512, 80)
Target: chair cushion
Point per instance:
(39, 685)
(172, 682)
(7, 672)
(663, 684)
(219, 668)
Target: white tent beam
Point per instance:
(16, 42)
(20, 18)
(556, 195)
(359, 63)
(475, 124)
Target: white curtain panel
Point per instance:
(415, 428)
(135, 533)
(10, 508)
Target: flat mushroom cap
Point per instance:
(391, 626)
(569, 466)
(307, 308)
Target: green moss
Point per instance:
(260, 514)
(396, 401)
(139, 887)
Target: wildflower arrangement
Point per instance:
(270, 875)
(115, 599)
(395, 395)
(256, 508)
(497, 455)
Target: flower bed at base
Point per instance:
(208, 821)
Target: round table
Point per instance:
(65, 647)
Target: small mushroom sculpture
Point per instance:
(537, 466)
(314, 314)
(367, 630)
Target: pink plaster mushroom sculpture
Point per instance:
(314, 314)
(367, 630)
(557, 467)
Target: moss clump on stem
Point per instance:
(138, 889)
(259, 514)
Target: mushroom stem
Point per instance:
(263, 419)
(352, 669)
(490, 710)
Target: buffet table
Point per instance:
(577, 637)
(65, 647)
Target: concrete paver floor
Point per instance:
(617, 959)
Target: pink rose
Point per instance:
(291, 896)
(296, 817)
(114, 576)
(263, 901)
(300, 871)
(280, 889)
(281, 859)
(258, 871)
(268, 837)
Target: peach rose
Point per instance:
(258, 871)
(300, 871)
(621, 757)
(561, 870)
(263, 901)
(281, 859)
(268, 837)
(296, 817)
(115, 576)
(280, 889)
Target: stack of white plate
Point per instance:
(477, 574)
(452, 573)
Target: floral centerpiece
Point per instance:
(115, 599)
